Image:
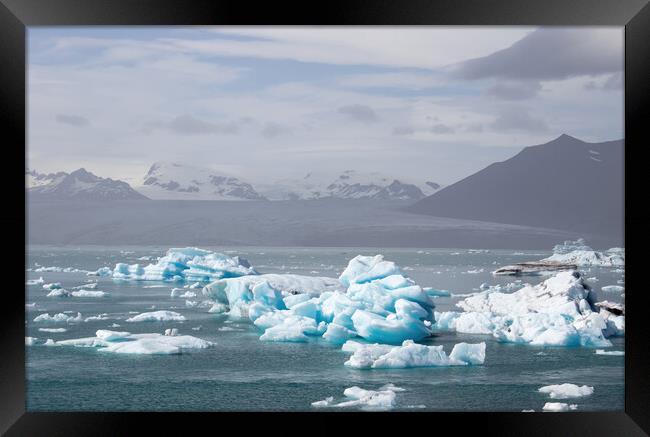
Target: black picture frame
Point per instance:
(16, 15)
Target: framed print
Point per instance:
(357, 210)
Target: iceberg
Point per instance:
(382, 399)
(613, 289)
(566, 391)
(157, 316)
(560, 311)
(52, 286)
(58, 318)
(52, 329)
(559, 407)
(186, 264)
(577, 252)
(411, 354)
(371, 299)
(38, 281)
(147, 344)
(102, 272)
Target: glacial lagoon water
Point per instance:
(242, 373)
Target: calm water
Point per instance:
(243, 373)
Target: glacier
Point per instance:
(147, 344)
(186, 264)
(560, 311)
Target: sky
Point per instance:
(430, 103)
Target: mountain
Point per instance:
(78, 185)
(565, 184)
(349, 184)
(168, 180)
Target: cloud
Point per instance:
(189, 125)
(551, 54)
(612, 83)
(403, 130)
(442, 129)
(272, 130)
(397, 80)
(361, 113)
(514, 90)
(518, 119)
(73, 120)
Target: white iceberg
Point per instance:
(578, 253)
(373, 400)
(38, 281)
(566, 391)
(559, 407)
(89, 293)
(186, 264)
(157, 316)
(58, 318)
(560, 311)
(30, 341)
(147, 344)
(52, 286)
(411, 354)
(102, 272)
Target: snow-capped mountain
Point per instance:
(349, 184)
(168, 180)
(78, 185)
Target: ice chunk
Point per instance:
(411, 354)
(186, 264)
(338, 334)
(559, 407)
(578, 253)
(38, 281)
(566, 391)
(613, 353)
(52, 329)
(171, 331)
(30, 341)
(382, 399)
(407, 323)
(157, 316)
(613, 289)
(292, 328)
(89, 293)
(58, 318)
(52, 286)
(58, 292)
(102, 272)
(362, 269)
(127, 343)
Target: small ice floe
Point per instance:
(196, 328)
(475, 271)
(103, 316)
(618, 309)
(559, 407)
(191, 303)
(52, 329)
(373, 400)
(613, 289)
(101, 272)
(38, 281)
(52, 286)
(228, 328)
(592, 279)
(155, 286)
(436, 293)
(612, 353)
(566, 391)
(115, 325)
(171, 331)
(533, 268)
(30, 305)
(30, 341)
(411, 354)
(157, 316)
(60, 292)
(188, 294)
(55, 269)
(527, 411)
(50, 342)
(148, 344)
(58, 318)
(86, 286)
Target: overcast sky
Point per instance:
(265, 103)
